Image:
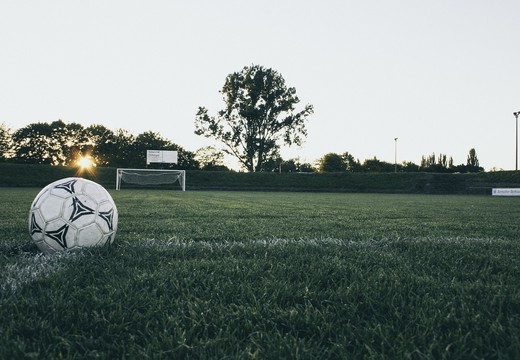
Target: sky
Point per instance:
(442, 76)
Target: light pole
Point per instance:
(516, 153)
(395, 155)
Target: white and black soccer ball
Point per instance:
(72, 213)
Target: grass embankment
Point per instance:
(15, 175)
(270, 275)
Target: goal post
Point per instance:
(150, 177)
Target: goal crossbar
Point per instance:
(150, 177)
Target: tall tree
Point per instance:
(5, 142)
(122, 146)
(472, 163)
(351, 164)
(210, 158)
(472, 158)
(56, 143)
(32, 144)
(443, 160)
(331, 162)
(100, 144)
(376, 165)
(74, 141)
(260, 112)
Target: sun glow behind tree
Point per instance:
(85, 163)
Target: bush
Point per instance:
(432, 183)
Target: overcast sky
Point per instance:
(441, 75)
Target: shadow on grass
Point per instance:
(16, 249)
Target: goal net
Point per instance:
(150, 177)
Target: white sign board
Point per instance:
(161, 156)
(506, 192)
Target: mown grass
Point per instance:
(270, 275)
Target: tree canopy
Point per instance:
(331, 162)
(5, 141)
(60, 143)
(259, 114)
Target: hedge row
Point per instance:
(475, 183)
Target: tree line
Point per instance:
(333, 162)
(61, 144)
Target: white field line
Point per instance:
(29, 268)
(275, 242)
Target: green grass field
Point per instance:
(269, 275)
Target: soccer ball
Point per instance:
(72, 213)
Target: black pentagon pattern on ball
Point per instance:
(108, 216)
(67, 186)
(79, 209)
(35, 228)
(59, 235)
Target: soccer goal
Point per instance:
(150, 177)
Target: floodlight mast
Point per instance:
(395, 155)
(515, 114)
